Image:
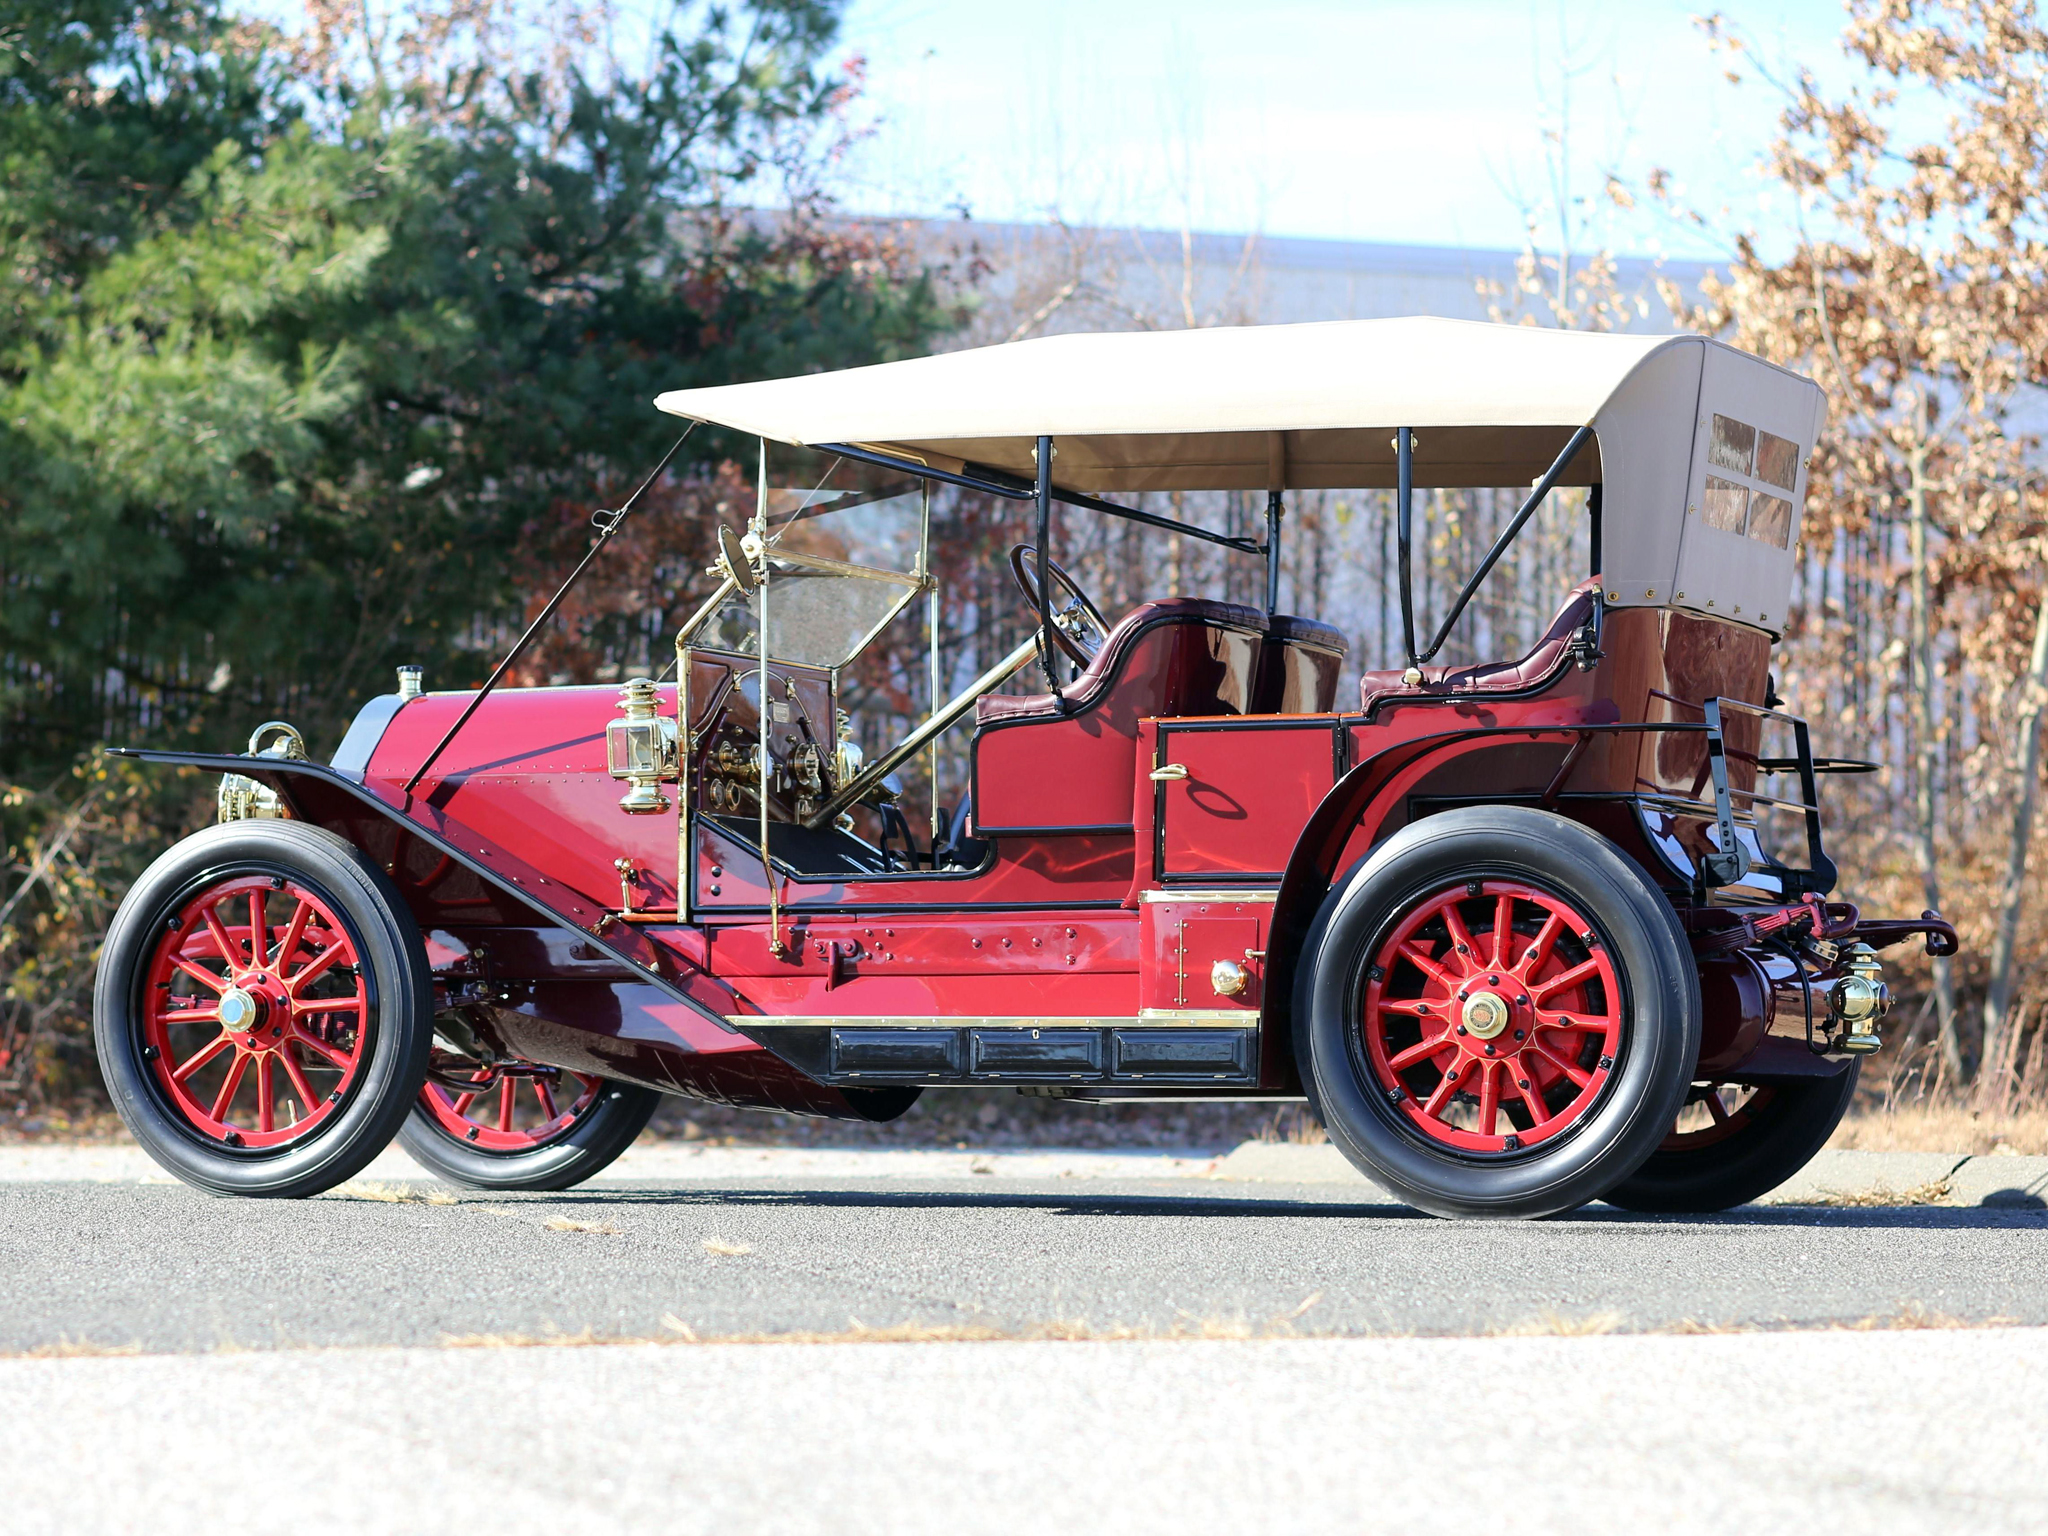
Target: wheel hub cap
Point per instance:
(1485, 1015)
(240, 1009)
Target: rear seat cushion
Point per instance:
(1490, 676)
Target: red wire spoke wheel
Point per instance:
(493, 1122)
(254, 1011)
(1716, 1112)
(263, 1009)
(514, 1111)
(1492, 1016)
(1496, 1014)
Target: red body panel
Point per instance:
(1073, 915)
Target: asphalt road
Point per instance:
(163, 1268)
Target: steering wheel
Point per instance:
(1078, 627)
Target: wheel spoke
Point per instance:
(201, 1057)
(294, 933)
(233, 1081)
(505, 1103)
(1583, 971)
(320, 1047)
(1437, 1100)
(1715, 1107)
(1577, 1074)
(190, 1016)
(316, 966)
(266, 1110)
(228, 952)
(1489, 1097)
(259, 932)
(1539, 1112)
(304, 1007)
(463, 1101)
(1580, 1023)
(1421, 959)
(1503, 931)
(1463, 945)
(218, 984)
(1401, 1061)
(547, 1099)
(1540, 946)
(307, 1097)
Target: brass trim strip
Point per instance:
(1151, 1018)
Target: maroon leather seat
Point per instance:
(1224, 689)
(1038, 767)
(1299, 667)
(1543, 660)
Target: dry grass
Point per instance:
(1555, 1325)
(391, 1194)
(725, 1248)
(1933, 1192)
(1943, 1126)
(73, 1349)
(1917, 1315)
(565, 1224)
(1909, 1317)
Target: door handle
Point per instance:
(1170, 771)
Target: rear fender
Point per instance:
(1365, 806)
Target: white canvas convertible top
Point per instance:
(1287, 407)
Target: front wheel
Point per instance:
(1496, 1014)
(1732, 1144)
(262, 1009)
(521, 1125)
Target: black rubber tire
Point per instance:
(613, 1123)
(1779, 1140)
(393, 962)
(1660, 1013)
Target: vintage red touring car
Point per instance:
(1525, 934)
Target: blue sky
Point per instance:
(1385, 120)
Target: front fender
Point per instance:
(517, 892)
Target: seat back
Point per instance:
(1543, 660)
(1040, 766)
(1298, 667)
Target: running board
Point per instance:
(1189, 1047)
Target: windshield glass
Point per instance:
(846, 552)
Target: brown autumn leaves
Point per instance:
(1915, 289)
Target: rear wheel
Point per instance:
(521, 1125)
(1732, 1144)
(261, 1010)
(1496, 1014)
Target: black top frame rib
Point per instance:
(994, 482)
(1154, 520)
(1595, 566)
(611, 525)
(1043, 493)
(1500, 545)
(1404, 531)
(1013, 490)
(1275, 508)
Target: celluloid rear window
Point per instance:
(1733, 445)
(1726, 503)
(1770, 520)
(1777, 461)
